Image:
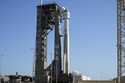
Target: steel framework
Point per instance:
(120, 39)
(51, 17)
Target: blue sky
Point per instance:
(92, 36)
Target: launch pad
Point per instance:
(50, 17)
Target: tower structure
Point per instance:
(49, 18)
(120, 39)
(41, 46)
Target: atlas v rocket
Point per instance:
(66, 62)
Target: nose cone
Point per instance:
(66, 14)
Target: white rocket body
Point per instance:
(66, 62)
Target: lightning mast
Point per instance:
(120, 39)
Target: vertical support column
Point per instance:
(120, 39)
(57, 49)
(41, 47)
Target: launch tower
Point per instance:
(120, 39)
(50, 17)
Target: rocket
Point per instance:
(66, 61)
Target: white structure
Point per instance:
(85, 77)
(4, 78)
(77, 76)
(66, 62)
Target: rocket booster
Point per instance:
(66, 61)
